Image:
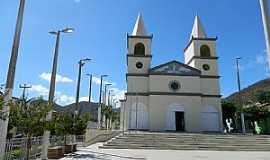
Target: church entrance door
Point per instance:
(179, 121)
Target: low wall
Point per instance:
(96, 135)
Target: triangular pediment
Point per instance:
(175, 67)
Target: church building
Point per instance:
(173, 96)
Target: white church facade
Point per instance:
(173, 96)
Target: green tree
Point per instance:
(80, 123)
(1, 107)
(29, 117)
(62, 125)
(229, 111)
(263, 97)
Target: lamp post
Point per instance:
(90, 86)
(266, 25)
(46, 135)
(109, 96)
(24, 87)
(240, 96)
(100, 97)
(81, 64)
(11, 77)
(106, 87)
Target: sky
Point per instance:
(101, 27)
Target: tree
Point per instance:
(263, 97)
(29, 117)
(229, 111)
(1, 108)
(62, 124)
(80, 123)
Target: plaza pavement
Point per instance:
(94, 153)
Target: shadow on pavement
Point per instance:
(99, 155)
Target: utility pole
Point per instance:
(81, 64)
(11, 78)
(240, 96)
(24, 87)
(90, 87)
(99, 103)
(266, 26)
(46, 135)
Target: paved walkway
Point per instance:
(94, 153)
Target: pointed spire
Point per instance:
(198, 30)
(139, 29)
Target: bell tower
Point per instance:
(139, 49)
(200, 52)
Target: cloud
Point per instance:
(97, 81)
(59, 78)
(64, 99)
(119, 94)
(41, 90)
(60, 97)
(261, 59)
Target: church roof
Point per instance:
(139, 29)
(198, 30)
(175, 68)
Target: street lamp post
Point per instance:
(99, 103)
(46, 135)
(109, 97)
(240, 96)
(106, 87)
(81, 63)
(90, 87)
(11, 77)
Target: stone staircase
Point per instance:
(187, 141)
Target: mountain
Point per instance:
(84, 107)
(248, 93)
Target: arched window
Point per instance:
(139, 49)
(205, 51)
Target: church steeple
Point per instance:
(139, 29)
(198, 30)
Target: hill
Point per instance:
(248, 93)
(84, 107)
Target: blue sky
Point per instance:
(101, 28)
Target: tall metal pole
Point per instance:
(46, 135)
(11, 77)
(240, 97)
(78, 88)
(90, 87)
(105, 94)
(100, 103)
(266, 25)
(81, 63)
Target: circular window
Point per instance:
(174, 85)
(206, 67)
(139, 65)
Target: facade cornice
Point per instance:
(170, 94)
(210, 77)
(145, 56)
(137, 74)
(200, 39)
(199, 57)
(141, 37)
(169, 74)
